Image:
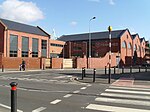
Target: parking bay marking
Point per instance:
(55, 101)
(39, 109)
(83, 87)
(67, 95)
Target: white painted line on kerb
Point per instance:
(76, 91)
(39, 109)
(126, 91)
(122, 101)
(7, 107)
(130, 88)
(125, 96)
(113, 108)
(67, 95)
(55, 101)
(83, 88)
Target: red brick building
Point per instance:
(20, 41)
(127, 47)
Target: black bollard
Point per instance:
(105, 70)
(82, 73)
(43, 67)
(139, 68)
(2, 68)
(114, 70)
(130, 69)
(109, 77)
(146, 68)
(94, 72)
(13, 96)
(122, 69)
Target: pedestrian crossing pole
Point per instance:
(109, 29)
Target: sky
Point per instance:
(66, 17)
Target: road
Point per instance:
(56, 91)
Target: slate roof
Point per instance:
(94, 36)
(142, 39)
(133, 36)
(11, 25)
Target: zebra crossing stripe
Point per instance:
(128, 91)
(131, 88)
(123, 101)
(113, 108)
(126, 96)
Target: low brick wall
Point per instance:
(81, 62)
(0, 60)
(102, 62)
(57, 63)
(14, 62)
(96, 62)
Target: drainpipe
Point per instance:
(6, 42)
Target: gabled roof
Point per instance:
(142, 39)
(11, 25)
(134, 35)
(94, 36)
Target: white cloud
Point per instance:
(20, 11)
(94, 0)
(73, 23)
(111, 2)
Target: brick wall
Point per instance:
(57, 62)
(81, 62)
(96, 62)
(0, 60)
(13, 63)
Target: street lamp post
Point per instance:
(90, 38)
(109, 29)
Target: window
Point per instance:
(135, 47)
(34, 47)
(57, 45)
(44, 48)
(77, 48)
(13, 45)
(123, 44)
(129, 45)
(54, 55)
(127, 36)
(139, 48)
(25, 46)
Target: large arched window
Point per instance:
(129, 46)
(124, 44)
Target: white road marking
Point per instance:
(123, 101)
(60, 77)
(83, 87)
(113, 108)
(39, 109)
(76, 91)
(7, 107)
(55, 101)
(67, 95)
(130, 88)
(125, 96)
(127, 91)
(89, 85)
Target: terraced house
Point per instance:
(126, 49)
